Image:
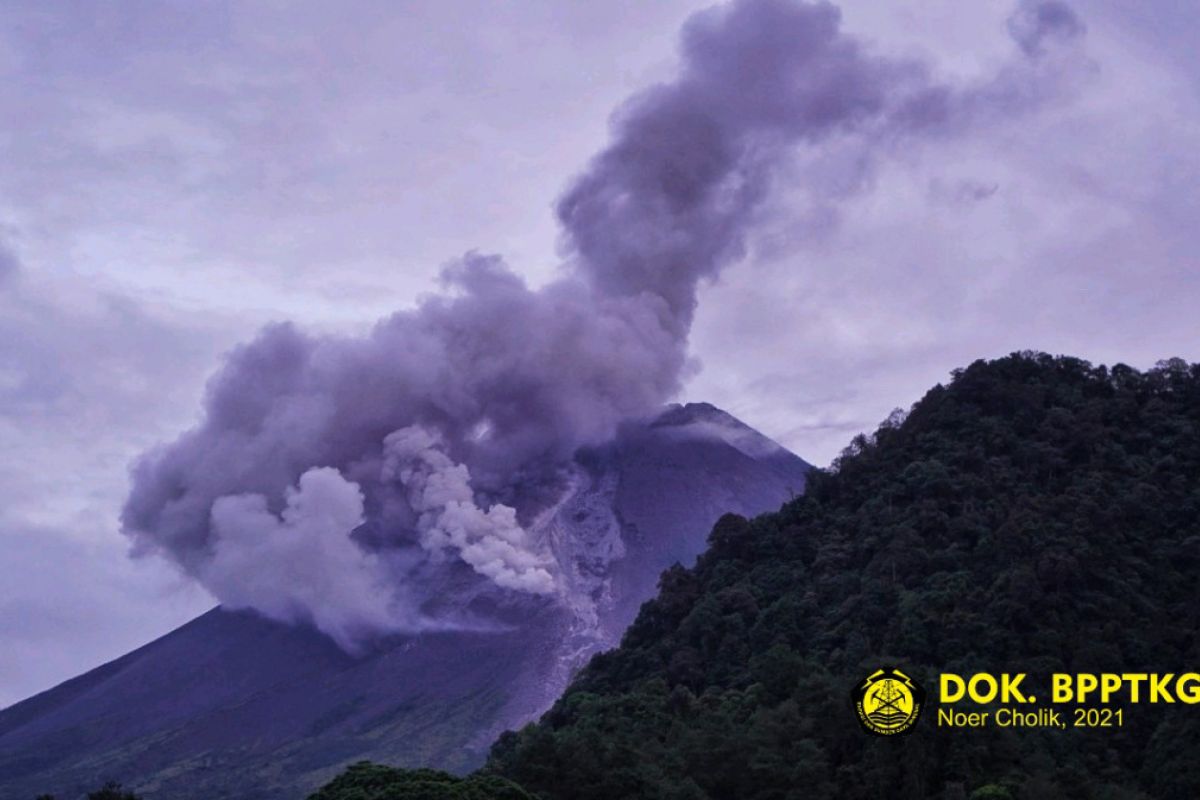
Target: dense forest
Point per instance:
(1035, 515)
(366, 781)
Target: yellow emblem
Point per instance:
(888, 702)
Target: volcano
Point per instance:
(234, 705)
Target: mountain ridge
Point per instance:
(234, 705)
(1037, 514)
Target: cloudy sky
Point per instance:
(175, 175)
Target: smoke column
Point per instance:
(439, 491)
(338, 480)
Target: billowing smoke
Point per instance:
(347, 481)
(440, 492)
(301, 563)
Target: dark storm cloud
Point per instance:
(500, 382)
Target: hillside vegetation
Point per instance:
(1035, 515)
(366, 781)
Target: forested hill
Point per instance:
(1036, 515)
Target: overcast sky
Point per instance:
(176, 174)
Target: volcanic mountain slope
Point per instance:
(234, 705)
(1036, 515)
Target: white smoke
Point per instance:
(513, 379)
(302, 565)
(439, 491)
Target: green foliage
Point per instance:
(367, 781)
(1036, 515)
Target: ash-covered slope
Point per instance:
(234, 705)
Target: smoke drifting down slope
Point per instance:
(348, 481)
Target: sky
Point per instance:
(176, 175)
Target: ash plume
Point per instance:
(344, 481)
(440, 492)
(300, 565)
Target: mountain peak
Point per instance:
(704, 420)
(281, 709)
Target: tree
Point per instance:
(367, 781)
(1037, 510)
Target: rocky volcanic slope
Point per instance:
(231, 705)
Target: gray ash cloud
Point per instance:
(336, 480)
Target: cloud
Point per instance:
(440, 493)
(320, 164)
(101, 606)
(9, 265)
(1038, 23)
(1082, 249)
(491, 384)
(301, 565)
(88, 378)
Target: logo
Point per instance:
(888, 702)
